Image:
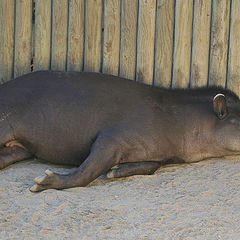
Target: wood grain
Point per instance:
(23, 37)
(42, 38)
(219, 43)
(145, 41)
(75, 35)
(182, 43)
(233, 78)
(59, 34)
(164, 43)
(128, 52)
(93, 34)
(201, 42)
(111, 42)
(6, 39)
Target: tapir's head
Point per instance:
(227, 110)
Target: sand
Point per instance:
(196, 201)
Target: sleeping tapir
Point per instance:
(97, 121)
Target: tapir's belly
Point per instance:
(63, 140)
(62, 151)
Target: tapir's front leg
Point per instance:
(104, 155)
(9, 155)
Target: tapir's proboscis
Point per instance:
(106, 124)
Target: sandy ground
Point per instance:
(197, 201)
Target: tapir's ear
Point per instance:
(220, 106)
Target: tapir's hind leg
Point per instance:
(136, 168)
(104, 155)
(9, 155)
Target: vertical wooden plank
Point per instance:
(233, 80)
(42, 45)
(129, 19)
(111, 42)
(59, 34)
(93, 31)
(219, 42)
(6, 39)
(164, 43)
(182, 43)
(145, 44)
(23, 37)
(75, 35)
(201, 40)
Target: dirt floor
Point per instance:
(196, 201)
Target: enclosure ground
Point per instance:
(196, 201)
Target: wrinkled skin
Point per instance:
(103, 123)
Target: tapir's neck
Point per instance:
(198, 141)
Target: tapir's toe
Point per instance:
(40, 180)
(110, 174)
(37, 188)
(43, 180)
(49, 181)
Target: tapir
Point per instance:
(107, 124)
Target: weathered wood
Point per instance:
(201, 41)
(6, 39)
(233, 78)
(182, 43)
(111, 42)
(75, 35)
(93, 31)
(42, 39)
(128, 49)
(164, 43)
(145, 44)
(23, 37)
(219, 42)
(59, 34)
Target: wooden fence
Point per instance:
(170, 43)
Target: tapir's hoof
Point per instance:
(49, 181)
(110, 174)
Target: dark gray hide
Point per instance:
(97, 121)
